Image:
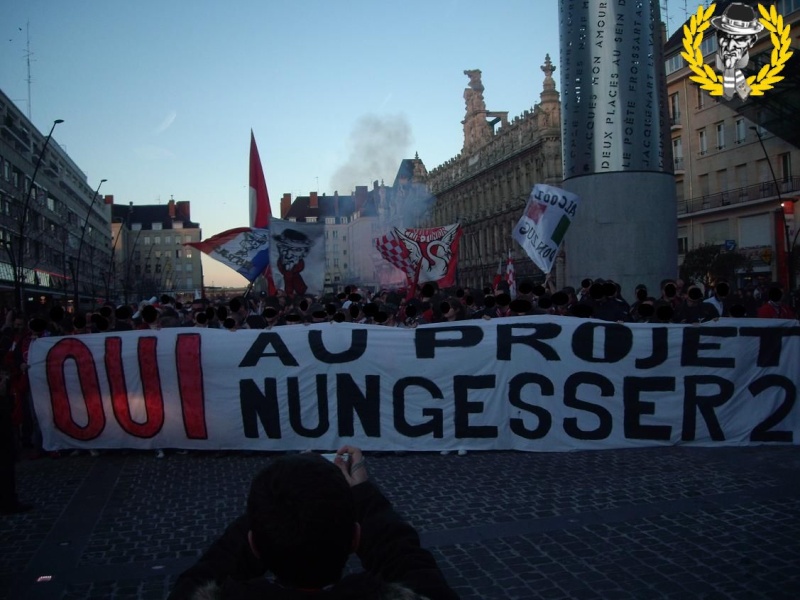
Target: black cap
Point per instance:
(37, 325)
(580, 310)
(596, 291)
(646, 310)
(520, 305)
(124, 312)
(560, 299)
(149, 314)
(664, 312)
(56, 313)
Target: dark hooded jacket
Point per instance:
(396, 566)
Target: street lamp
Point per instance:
(76, 299)
(17, 265)
(789, 243)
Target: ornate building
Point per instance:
(486, 186)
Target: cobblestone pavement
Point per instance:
(671, 522)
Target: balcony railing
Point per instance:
(759, 191)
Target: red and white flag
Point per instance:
(424, 255)
(260, 211)
(510, 280)
(498, 277)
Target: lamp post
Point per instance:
(789, 243)
(76, 275)
(17, 263)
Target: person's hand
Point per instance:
(355, 469)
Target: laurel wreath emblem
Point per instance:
(711, 81)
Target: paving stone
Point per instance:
(671, 522)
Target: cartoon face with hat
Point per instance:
(737, 31)
(293, 247)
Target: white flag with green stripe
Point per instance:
(541, 228)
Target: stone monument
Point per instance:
(615, 143)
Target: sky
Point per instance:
(159, 98)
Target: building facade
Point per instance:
(54, 227)
(736, 160)
(486, 187)
(149, 255)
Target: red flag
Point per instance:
(498, 277)
(260, 211)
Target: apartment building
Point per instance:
(736, 161)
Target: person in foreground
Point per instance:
(305, 516)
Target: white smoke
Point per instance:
(377, 145)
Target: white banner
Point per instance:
(541, 228)
(524, 383)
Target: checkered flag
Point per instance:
(395, 252)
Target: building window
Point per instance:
(146, 240)
(785, 161)
(677, 153)
(167, 239)
(187, 238)
(741, 131)
(701, 97)
(674, 108)
(683, 245)
(702, 142)
(720, 136)
(136, 227)
(188, 267)
(156, 226)
(188, 253)
(177, 253)
(716, 232)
